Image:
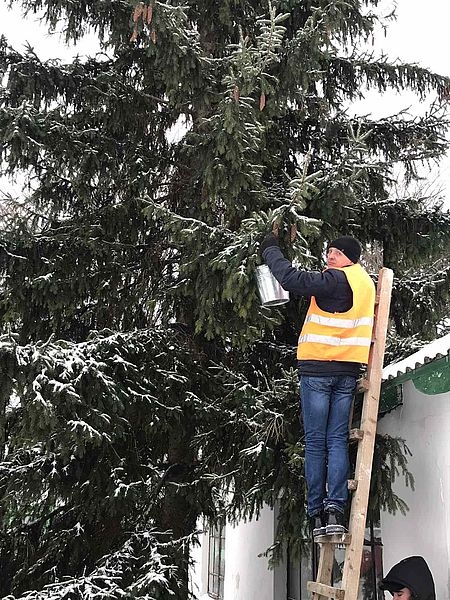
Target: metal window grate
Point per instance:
(216, 561)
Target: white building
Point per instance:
(416, 407)
(422, 419)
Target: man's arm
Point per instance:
(302, 283)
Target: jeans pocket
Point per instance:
(317, 384)
(348, 383)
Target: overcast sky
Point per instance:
(420, 35)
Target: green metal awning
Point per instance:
(430, 378)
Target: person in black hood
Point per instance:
(410, 579)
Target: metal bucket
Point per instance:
(270, 291)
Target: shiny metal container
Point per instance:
(270, 291)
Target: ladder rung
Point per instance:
(352, 484)
(362, 384)
(325, 590)
(335, 539)
(355, 435)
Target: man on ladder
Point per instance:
(333, 344)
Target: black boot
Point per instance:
(335, 522)
(318, 524)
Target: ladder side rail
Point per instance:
(325, 568)
(322, 588)
(358, 513)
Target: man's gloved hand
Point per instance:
(268, 241)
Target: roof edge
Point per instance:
(435, 349)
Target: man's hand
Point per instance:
(268, 241)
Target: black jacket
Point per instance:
(330, 288)
(413, 573)
(332, 293)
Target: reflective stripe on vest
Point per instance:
(333, 322)
(341, 336)
(334, 341)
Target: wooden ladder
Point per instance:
(365, 437)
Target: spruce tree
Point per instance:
(143, 385)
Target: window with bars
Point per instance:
(216, 561)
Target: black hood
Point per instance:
(413, 573)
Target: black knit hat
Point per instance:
(349, 246)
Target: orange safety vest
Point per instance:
(342, 336)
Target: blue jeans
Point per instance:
(326, 404)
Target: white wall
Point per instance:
(247, 576)
(424, 422)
